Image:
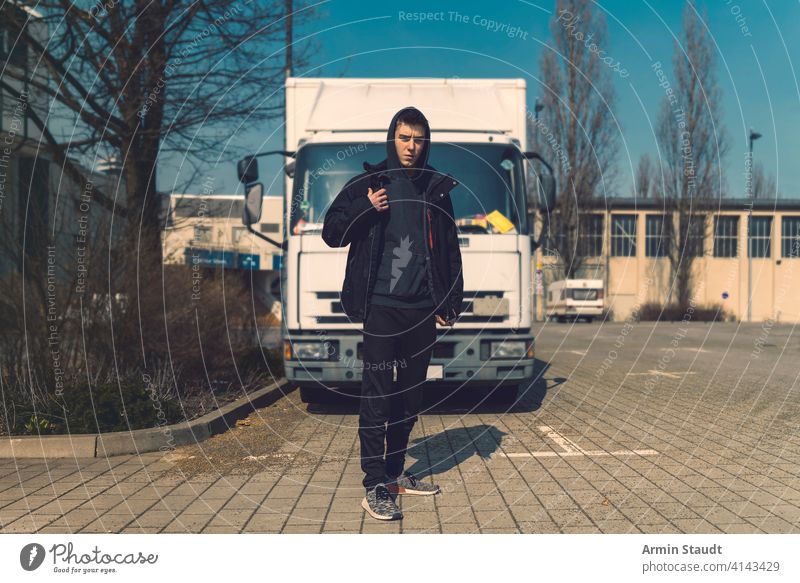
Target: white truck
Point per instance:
(478, 135)
(574, 299)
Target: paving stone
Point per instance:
(315, 501)
(462, 501)
(345, 520)
(373, 526)
(713, 472)
(540, 527)
(494, 519)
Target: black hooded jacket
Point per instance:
(402, 277)
(353, 220)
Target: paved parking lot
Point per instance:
(628, 429)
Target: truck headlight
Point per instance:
(508, 349)
(313, 350)
(504, 349)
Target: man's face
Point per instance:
(409, 140)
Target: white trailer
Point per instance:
(478, 135)
(574, 299)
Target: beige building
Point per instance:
(206, 231)
(623, 243)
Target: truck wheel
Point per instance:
(317, 395)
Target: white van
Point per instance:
(575, 298)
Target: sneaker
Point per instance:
(379, 504)
(408, 484)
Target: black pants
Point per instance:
(404, 338)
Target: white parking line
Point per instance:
(570, 448)
(688, 348)
(672, 375)
(565, 444)
(598, 453)
(269, 456)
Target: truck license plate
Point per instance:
(490, 306)
(435, 371)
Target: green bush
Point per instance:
(103, 408)
(267, 361)
(655, 312)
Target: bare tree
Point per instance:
(645, 171)
(138, 80)
(576, 127)
(692, 143)
(764, 185)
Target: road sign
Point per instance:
(249, 261)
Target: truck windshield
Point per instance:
(490, 197)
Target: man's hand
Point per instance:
(379, 199)
(442, 322)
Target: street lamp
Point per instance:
(754, 135)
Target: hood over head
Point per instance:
(392, 161)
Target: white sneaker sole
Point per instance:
(401, 490)
(365, 506)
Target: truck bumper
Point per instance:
(456, 359)
(584, 311)
(575, 312)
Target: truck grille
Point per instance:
(337, 315)
(440, 350)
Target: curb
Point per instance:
(164, 438)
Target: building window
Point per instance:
(237, 234)
(759, 236)
(658, 229)
(33, 182)
(590, 235)
(623, 235)
(553, 243)
(202, 234)
(726, 236)
(790, 237)
(12, 49)
(270, 227)
(695, 238)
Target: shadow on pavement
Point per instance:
(440, 452)
(452, 447)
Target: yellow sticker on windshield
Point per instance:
(499, 221)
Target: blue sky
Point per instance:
(757, 66)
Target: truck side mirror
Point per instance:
(251, 213)
(247, 170)
(544, 197)
(547, 193)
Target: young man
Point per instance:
(403, 276)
